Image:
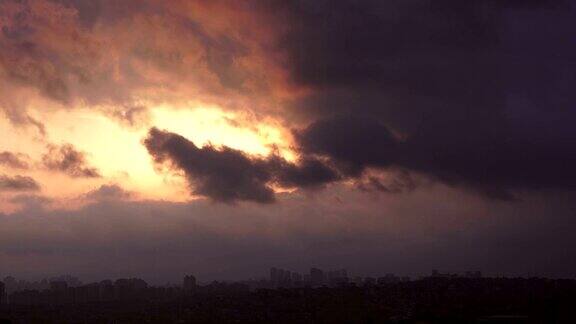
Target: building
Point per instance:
(461, 274)
(473, 274)
(2, 293)
(296, 277)
(58, 285)
(274, 274)
(190, 283)
(129, 288)
(317, 277)
(389, 279)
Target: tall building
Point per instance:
(274, 275)
(317, 277)
(2, 293)
(287, 276)
(296, 277)
(337, 277)
(58, 285)
(190, 283)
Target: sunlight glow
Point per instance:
(117, 151)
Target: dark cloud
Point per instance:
(67, 159)
(18, 183)
(354, 142)
(476, 92)
(14, 160)
(396, 182)
(228, 175)
(308, 173)
(489, 162)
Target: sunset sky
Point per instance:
(155, 138)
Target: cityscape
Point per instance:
(69, 289)
(285, 296)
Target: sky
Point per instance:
(154, 138)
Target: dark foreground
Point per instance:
(432, 300)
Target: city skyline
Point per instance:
(436, 298)
(277, 278)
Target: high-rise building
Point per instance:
(317, 277)
(2, 293)
(190, 283)
(296, 277)
(473, 274)
(287, 277)
(58, 285)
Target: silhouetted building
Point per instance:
(190, 283)
(389, 279)
(2, 293)
(274, 274)
(296, 277)
(317, 277)
(10, 284)
(465, 274)
(58, 285)
(129, 288)
(285, 278)
(70, 280)
(337, 277)
(473, 274)
(106, 290)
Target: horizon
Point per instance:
(304, 278)
(266, 276)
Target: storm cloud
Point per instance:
(460, 92)
(228, 175)
(476, 93)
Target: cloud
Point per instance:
(133, 116)
(368, 235)
(228, 175)
(354, 142)
(308, 173)
(467, 157)
(14, 160)
(63, 54)
(472, 94)
(475, 94)
(396, 182)
(31, 202)
(18, 183)
(109, 192)
(67, 159)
